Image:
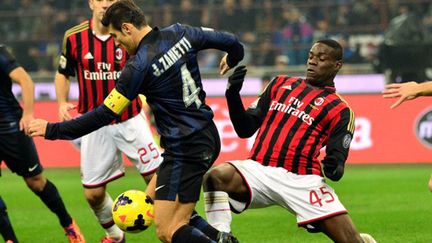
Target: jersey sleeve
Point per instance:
(260, 106)
(7, 60)
(207, 38)
(338, 144)
(67, 63)
(131, 78)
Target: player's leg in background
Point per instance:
(6, 229)
(24, 160)
(101, 162)
(101, 203)
(50, 196)
(220, 184)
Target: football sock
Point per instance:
(198, 222)
(189, 234)
(51, 198)
(217, 210)
(6, 229)
(104, 216)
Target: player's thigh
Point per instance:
(179, 178)
(101, 161)
(339, 228)
(309, 198)
(184, 165)
(225, 177)
(134, 138)
(20, 155)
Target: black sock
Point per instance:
(198, 222)
(6, 229)
(51, 197)
(189, 234)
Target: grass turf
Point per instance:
(391, 202)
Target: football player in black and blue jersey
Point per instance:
(164, 68)
(17, 149)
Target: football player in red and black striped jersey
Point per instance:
(295, 118)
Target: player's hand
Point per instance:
(223, 65)
(64, 109)
(403, 91)
(235, 80)
(37, 127)
(25, 121)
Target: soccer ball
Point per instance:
(133, 211)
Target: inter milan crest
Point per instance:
(119, 54)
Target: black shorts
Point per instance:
(184, 165)
(19, 153)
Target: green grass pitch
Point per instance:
(391, 202)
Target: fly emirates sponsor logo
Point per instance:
(103, 72)
(294, 108)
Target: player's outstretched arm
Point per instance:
(37, 128)
(407, 91)
(244, 124)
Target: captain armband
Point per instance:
(116, 102)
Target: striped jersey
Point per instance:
(165, 69)
(297, 121)
(10, 110)
(97, 64)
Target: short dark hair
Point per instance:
(124, 11)
(337, 48)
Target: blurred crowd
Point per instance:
(275, 32)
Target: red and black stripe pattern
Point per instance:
(97, 63)
(300, 120)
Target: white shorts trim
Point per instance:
(308, 197)
(101, 151)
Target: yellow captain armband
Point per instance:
(116, 102)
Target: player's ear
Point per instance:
(126, 28)
(338, 65)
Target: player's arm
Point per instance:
(66, 69)
(206, 38)
(245, 123)
(115, 103)
(9, 65)
(20, 76)
(338, 145)
(407, 91)
(62, 86)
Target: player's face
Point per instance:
(321, 65)
(124, 38)
(99, 7)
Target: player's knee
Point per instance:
(351, 236)
(94, 197)
(163, 233)
(36, 183)
(215, 180)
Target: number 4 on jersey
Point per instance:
(190, 91)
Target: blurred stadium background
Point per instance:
(277, 33)
(385, 41)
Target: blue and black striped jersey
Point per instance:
(10, 110)
(165, 69)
